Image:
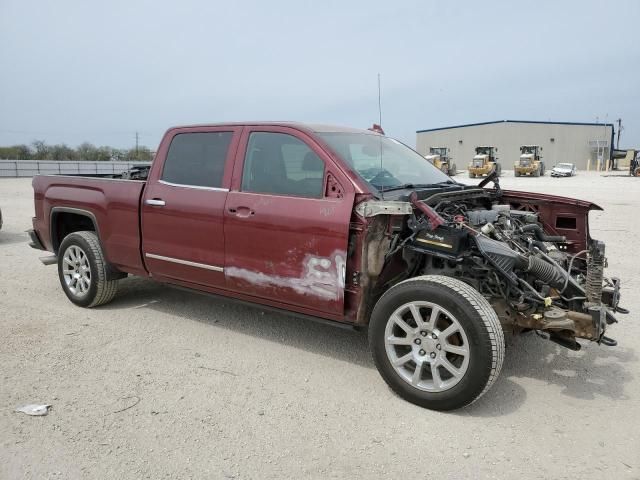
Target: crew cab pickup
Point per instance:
(343, 225)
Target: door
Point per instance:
(285, 233)
(183, 205)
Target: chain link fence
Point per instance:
(29, 168)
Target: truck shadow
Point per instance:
(340, 343)
(593, 372)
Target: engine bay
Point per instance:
(535, 280)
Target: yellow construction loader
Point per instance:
(530, 162)
(484, 162)
(440, 158)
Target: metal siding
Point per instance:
(571, 141)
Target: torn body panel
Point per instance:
(529, 254)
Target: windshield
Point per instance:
(564, 165)
(384, 163)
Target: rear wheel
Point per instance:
(471, 175)
(83, 270)
(436, 342)
(536, 172)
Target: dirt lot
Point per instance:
(218, 390)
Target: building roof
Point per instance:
(516, 121)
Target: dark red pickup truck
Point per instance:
(343, 225)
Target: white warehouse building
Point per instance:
(588, 145)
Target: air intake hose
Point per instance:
(540, 235)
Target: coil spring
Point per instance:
(595, 273)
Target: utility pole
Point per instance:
(619, 130)
(137, 156)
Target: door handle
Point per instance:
(242, 212)
(155, 202)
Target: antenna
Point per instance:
(380, 125)
(379, 103)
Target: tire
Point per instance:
(477, 336)
(499, 169)
(91, 287)
(453, 170)
(471, 175)
(536, 173)
(516, 174)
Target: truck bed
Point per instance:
(113, 204)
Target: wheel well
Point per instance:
(64, 223)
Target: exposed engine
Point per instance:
(529, 276)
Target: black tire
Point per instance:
(475, 316)
(536, 173)
(453, 170)
(100, 290)
(499, 169)
(471, 175)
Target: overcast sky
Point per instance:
(72, 71)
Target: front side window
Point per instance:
(197, 159)
(282, 164)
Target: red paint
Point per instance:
(551, 207)
(280, 251)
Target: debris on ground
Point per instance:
(34, 410)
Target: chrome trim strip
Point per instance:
(185, 262)
(90, 176)
(197, 187)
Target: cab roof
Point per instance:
(308, 127)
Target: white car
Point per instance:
(564, 170)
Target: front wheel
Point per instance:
(83, 270)
(436, 342)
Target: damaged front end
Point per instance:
(529, 254)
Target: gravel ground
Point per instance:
(163, 383)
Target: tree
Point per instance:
(62, 152)
(16, 152)
(42, 150)
(86, 151)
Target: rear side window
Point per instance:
(197, 159)
(282, 164)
